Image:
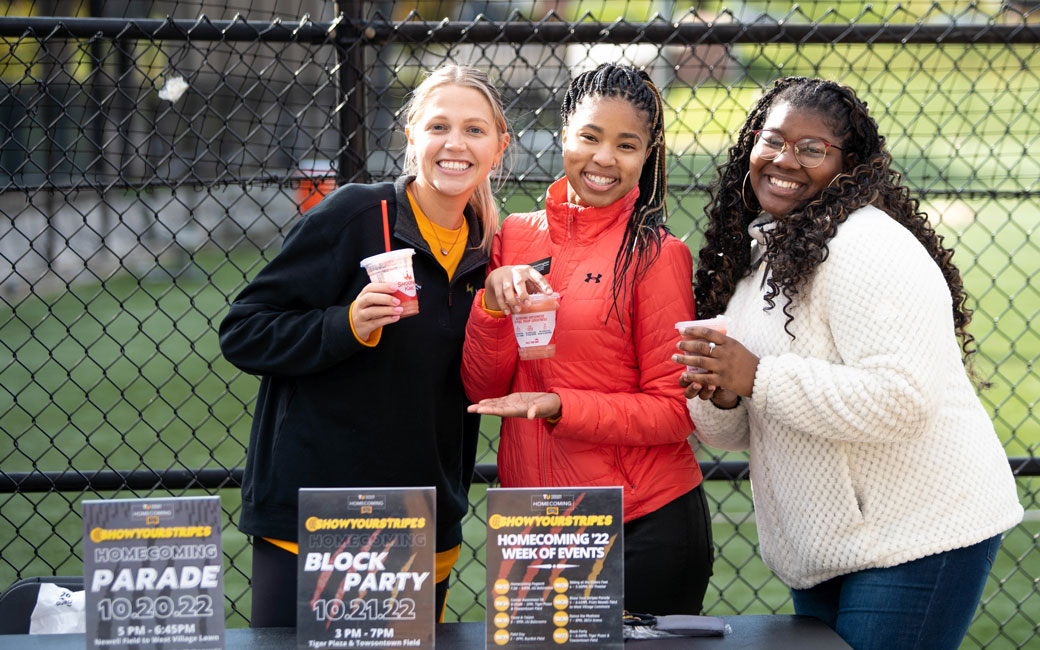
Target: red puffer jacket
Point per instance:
(625, 420)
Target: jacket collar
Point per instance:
(762, 224)
(584, 224)
(757, 229)
(407, 229)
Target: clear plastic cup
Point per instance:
(395, 268)
(720, 324)
(534, 326)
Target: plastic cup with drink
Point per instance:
(534, 326)
(720, 323)
(395, 268)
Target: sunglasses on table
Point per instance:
(809, 152)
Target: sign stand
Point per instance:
(154, 574)
(555, 568)
(366, 568)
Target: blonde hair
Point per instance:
(483, 202)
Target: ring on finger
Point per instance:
(711, 347)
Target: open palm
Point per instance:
(520, 405)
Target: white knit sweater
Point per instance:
(868, 446)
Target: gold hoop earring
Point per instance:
(742, 197)
(836, 177)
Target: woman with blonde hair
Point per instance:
(336, 356)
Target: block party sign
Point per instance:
(366, 568)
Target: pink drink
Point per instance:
(534, 327)
(395, 268)
(719, 324)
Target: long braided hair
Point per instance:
(645, 229)
(798, 243)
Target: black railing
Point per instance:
(216, 479)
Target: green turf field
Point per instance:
(127, 374)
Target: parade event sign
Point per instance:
(153, 573)
(366, 568)
(555, 567)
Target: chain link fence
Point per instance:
(153, 157)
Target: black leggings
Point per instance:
(668, 557)
(274, 587)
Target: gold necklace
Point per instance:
(445, 251)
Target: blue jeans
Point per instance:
(926, 604)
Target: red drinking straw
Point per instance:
(386, 228)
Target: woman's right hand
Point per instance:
(507, 287)
(728, 368)
(374, 307)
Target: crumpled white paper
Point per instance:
(173, 88)
(58, 611)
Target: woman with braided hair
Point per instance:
(880, 487)
(607, 409)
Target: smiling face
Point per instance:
(782, 185)
(604, 147)
(455, 141)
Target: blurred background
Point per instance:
(154, 153)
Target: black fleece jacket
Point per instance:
(334, 413)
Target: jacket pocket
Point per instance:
(576, 462)
(619, 461)
(285, 404)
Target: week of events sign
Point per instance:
(366, 568)
(555, 567)
(153, 573)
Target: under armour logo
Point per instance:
(589, 278)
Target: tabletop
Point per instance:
(776, 632)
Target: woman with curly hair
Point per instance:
(880, 487)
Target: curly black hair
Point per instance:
(645, 229)
(798, 243)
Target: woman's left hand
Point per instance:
(730, 366)
(507, 288)
(520, 405)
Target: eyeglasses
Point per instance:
(809, 152)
